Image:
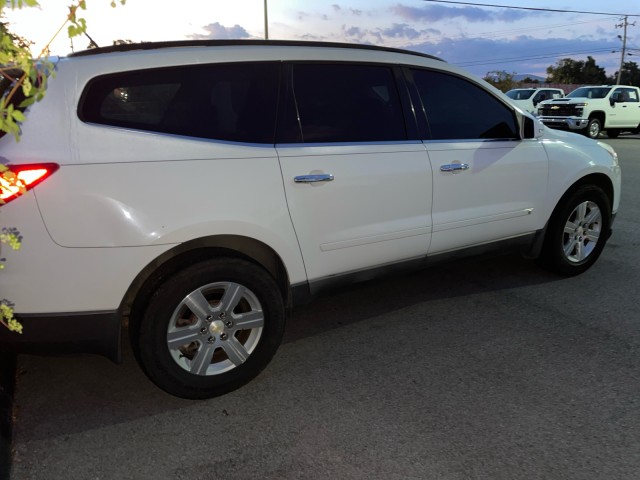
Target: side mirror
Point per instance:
(615, 98)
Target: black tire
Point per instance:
(593, 128)
(613, 133)
(200, 309)
(588, 210)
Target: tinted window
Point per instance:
(627, 94)
(235, 102)
(520, 94)
(347, 103)
(589, 92)
(459, 109)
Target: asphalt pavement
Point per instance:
(492, 369)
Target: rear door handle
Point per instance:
(454, 167)
(322, 177)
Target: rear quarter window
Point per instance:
(232, 102)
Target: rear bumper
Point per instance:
(87, 332)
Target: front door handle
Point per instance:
(454, 167)
(313, 178)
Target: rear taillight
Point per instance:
(19, 178)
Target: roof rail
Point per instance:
(127, 47)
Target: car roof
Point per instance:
(129, 47)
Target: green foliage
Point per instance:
(12, 238)
(572, 71)
(630, 74)
(501, 80)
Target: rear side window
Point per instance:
(233, 102)
(459, 109)
(347, 103)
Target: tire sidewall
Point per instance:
(155, 357)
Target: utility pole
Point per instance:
(266, 22)
(625, 23)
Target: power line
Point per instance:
(534, 8)
(477, 63)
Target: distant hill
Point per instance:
(521, 76)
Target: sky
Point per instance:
(478, 38)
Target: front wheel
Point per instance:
(211, 328)
(577, 231)
(594, 128)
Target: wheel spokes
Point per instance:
(215, 328)
(202, 359)
(231, 297)
(235, 351)
(183, 336)
(198, 304)
(247, 321)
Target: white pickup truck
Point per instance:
(529, 98)
(592, 109)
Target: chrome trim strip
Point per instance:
(475, 221)
(327, 247)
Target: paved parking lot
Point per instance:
(488, 370)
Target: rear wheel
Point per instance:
(613, 133)
(577, 232)
(211, 328)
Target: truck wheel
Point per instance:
(577, 231)
(613, 133)
(211, 328)
(594, 128)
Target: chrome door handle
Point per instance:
(323, 177)
(454, 167)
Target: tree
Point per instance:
(568, 70)
(630, 74)
(23, 81)
(500, 79)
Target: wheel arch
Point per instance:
(194, 251)
(600, 115)
(598, 179)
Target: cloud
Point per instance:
(434, 13)
(218, 31)
(345, 11)
(398, 31)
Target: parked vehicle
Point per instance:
(529, 98)
(199, 190)
(591, 110)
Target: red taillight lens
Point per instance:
(19, 178)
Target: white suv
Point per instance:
(199, 189)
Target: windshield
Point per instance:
(520, 94)
(590, 92)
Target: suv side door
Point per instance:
(488, 184)
(358, 188)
